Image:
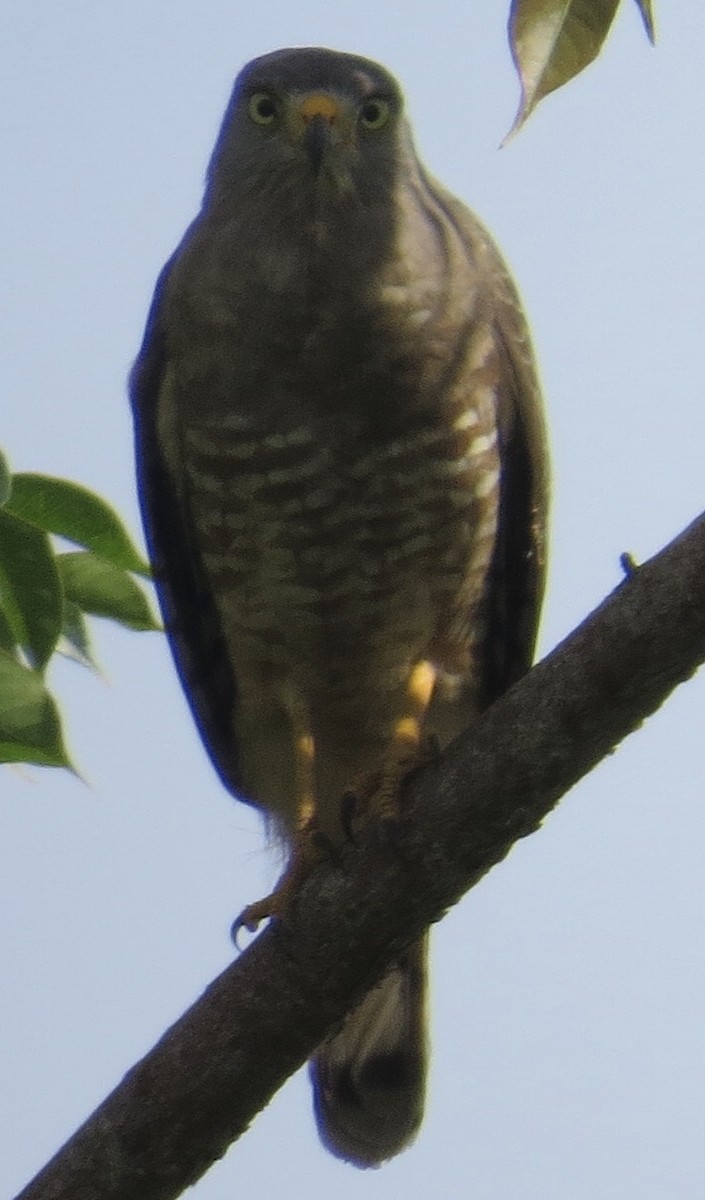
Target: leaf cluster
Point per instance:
(47, 592)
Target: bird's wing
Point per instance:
(190, 614)
(517, 575)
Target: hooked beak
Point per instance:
(320, 114)
(317, 141)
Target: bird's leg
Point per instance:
(373, 794)
(308, 846)
(376, 792)
(406, 751)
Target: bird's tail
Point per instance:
(369, 1077)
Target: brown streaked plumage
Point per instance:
(341, 465)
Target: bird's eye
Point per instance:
(262, 108)
(374, 113)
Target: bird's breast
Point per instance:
(343, 472)
(331, 535)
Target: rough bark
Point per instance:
(180, 1108)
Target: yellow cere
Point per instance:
(319, 104)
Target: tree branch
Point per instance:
(180, 1108)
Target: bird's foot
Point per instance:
(310, 848)
(376, 795)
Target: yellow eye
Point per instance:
(374, 113)
(262, 108)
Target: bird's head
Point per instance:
(314, 124)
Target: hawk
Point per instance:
(341, 467)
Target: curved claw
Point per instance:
(252, 917)
(310, 848)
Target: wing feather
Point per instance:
(190, 614)
(517, 574)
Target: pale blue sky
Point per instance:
(568, 1012)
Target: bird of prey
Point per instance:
(341, 467)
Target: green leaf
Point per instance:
(552, 41)
(101, 588)
(66, 508)
(5, 479)
(75, 642)
(30, 591)
(30, 728)
(647, 16)
(7, 637)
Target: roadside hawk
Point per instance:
(341, 467)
